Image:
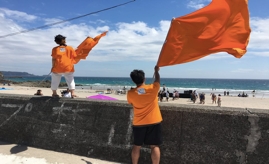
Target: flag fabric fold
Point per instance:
(222, 26)
(86, 46)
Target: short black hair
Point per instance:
(58, 38)
(138, 76)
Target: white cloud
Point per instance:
(197, 4)
(128, 41)
(134, 41)
(259, 37)
(17, 15)
(263, 54)
(241, 70)
(99, 21)
(217, 56)
(194, 5)
(52, 20)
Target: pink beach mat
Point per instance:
(101, 97)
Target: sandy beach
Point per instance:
(227, 101)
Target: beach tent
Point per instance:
(222, 26)
(101, 97)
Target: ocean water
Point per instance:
(234, 86)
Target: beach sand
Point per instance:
(227, 101)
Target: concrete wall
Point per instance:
(102, 129)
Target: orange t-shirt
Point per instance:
(145, 103)
(64, 59)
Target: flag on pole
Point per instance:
(222, 26)
(86, 46)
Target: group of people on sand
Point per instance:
(243, 95)
(226, 93)
(195, 95)
(7, 84)
(64, 93)
(216, 99)
(164, 93)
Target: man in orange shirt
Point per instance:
(147, 115)
(62, 64)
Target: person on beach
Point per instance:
(174, 95)
(202, 98)
(214, 98)
(62, 64)
(147, 115)
(253, 93)
(39, 93)
(66, 93)
(161, 96)
(167, 95)
(219, 100)
(193, 97)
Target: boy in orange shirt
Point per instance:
(62, 64)
(147, 116)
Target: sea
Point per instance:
(217, 86)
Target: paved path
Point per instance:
(16, 154)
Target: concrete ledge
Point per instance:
(102, 129)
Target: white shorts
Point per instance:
(56, 79)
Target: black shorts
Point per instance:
(147, 135)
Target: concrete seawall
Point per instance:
(102, 129)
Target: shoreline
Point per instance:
(122, 81)
(227, 101)
(47, 83)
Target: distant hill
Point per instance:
(9, 74)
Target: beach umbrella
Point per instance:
(101, 97)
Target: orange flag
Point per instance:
(86, 46)
(222, 26)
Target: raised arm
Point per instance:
(156, 74)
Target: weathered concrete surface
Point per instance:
(21, 154)
(101, 129)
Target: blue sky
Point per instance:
(136, 34)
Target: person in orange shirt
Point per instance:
(62, 64)
(147, 115)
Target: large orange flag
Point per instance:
(86, 46)
(222, 26)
